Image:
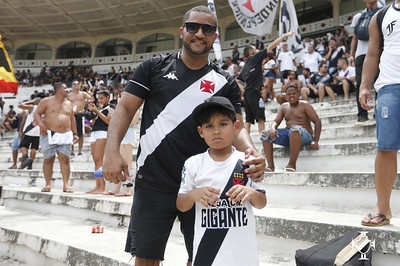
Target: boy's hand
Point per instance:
(239, 192)
(256, 172)
(273, 133)
(314, 145)
(206, 196)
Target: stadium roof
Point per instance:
(56, 19)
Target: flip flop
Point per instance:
(68, 190)
(268, 170)
(122, 195)
(12, 167)
(108, 193)
(46, 189)
(384, 220)
(290, 170)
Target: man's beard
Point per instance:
(190, 50)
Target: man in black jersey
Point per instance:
(170, 87)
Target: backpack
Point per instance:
(361, 29)
(379, 20)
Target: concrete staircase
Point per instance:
(332, 189)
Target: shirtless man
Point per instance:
(78, 99)
(57, 133)
(298, 131)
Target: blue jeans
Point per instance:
(387, 115)
(284, 136)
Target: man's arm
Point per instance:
(37, 115)
(113, 162)
(73, 125)
(279, 40)
(24, 116)
(353, 48)
(371, 64)
(26, 105)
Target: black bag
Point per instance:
(335, 251)
(361, 29)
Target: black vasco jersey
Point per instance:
(252, 72)
(168, 133)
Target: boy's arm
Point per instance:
(257, 199)
(317, 123)
(205, 195)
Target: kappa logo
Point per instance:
(171, 75)
(207, 86)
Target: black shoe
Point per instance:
(30, 166)
(26, 161)
(72, 154)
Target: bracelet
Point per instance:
(75, 134)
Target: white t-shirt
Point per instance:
(348, 73)
(231, 70)
(269, 64)
(29, 122)
(362, 46)
(286, 60)
(233, 223)
(390, 58)
(311, 61)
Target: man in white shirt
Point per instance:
(344, 82)
(233, 69)
(286, 62)
(311, 59)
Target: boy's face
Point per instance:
(292, 95)
(219, 132)
(103, 100)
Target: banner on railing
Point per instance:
(8, 82)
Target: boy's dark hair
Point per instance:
(292, 86)
(206, 114)
(105, 93)
(247, 50)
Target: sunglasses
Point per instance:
(207, 29)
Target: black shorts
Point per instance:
(251, 106)
(29, 142)
(312, 94)
(152, 217)
(79, 128)
(338, 88)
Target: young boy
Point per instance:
(298, 131)
(215, 181)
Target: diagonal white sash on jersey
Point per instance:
(175, 112)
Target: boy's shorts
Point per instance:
(387, 115)
(284, 136)
(152, 217)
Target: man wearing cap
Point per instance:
(170, 87)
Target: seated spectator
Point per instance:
(311, 59)
(298, 131)
(292, 80)
(305, 78)
(344, 82)
(11, 122)
(334, 53)
(316, 87)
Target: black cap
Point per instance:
(213, 101)
(41, 95)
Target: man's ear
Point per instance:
(181, 32)
(200, 130)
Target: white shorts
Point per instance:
(95, 135)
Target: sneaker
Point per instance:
(30, 166)
(72, 154)
(26, 161)
(364, 123)
(80, 154)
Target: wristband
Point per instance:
(75, 134)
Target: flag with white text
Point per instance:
(255, 17)
(8, 82)
(288, 22)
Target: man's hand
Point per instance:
(113, 165)
(207, 196)
(240, 193)
(76, 138)
(256, 172)
(365, 96)
(43, 130)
